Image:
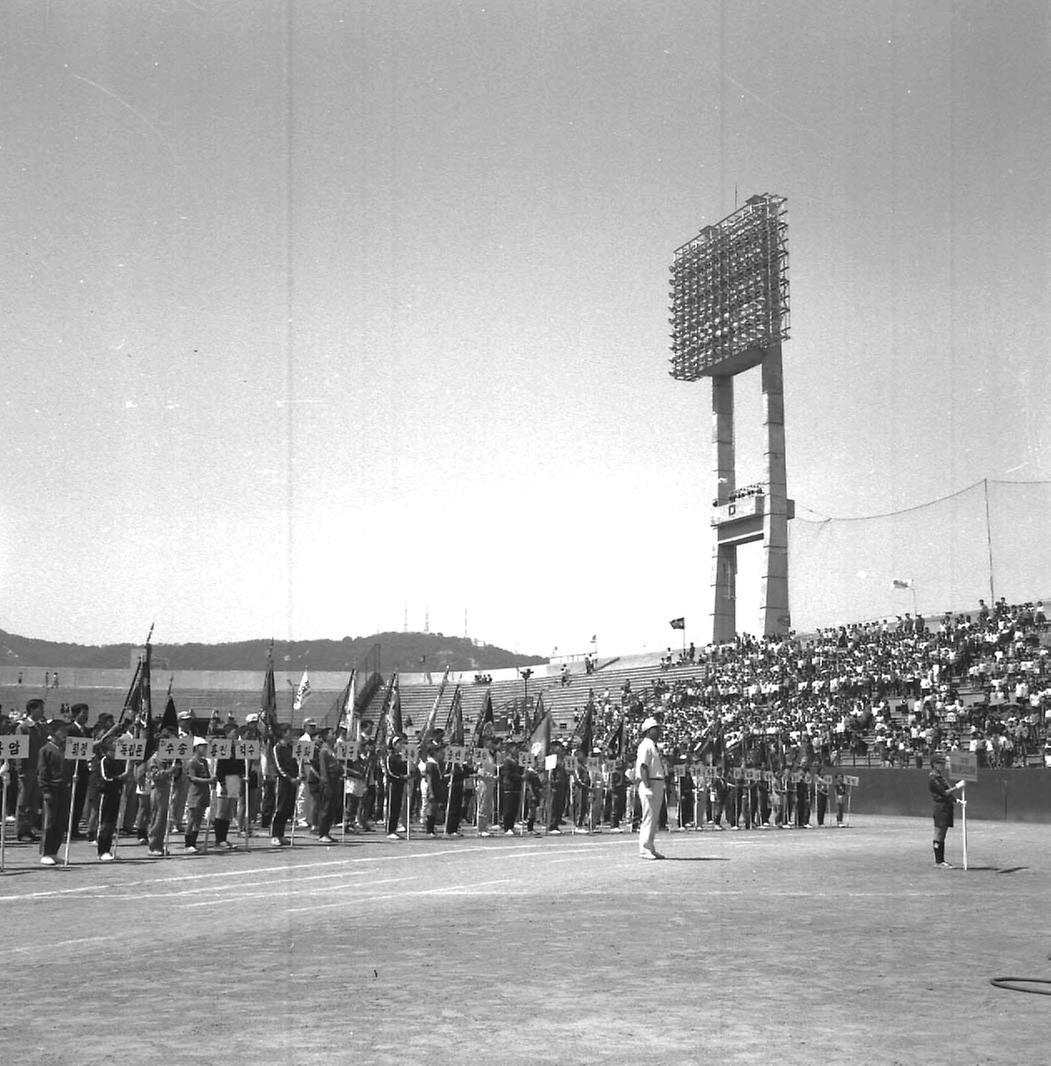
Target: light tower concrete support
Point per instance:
(724, 556)
(757, 512)
(773, 590)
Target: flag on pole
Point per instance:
(454, 705)
(454, 726)
(901, 583)
(394, 709)
(141, 702)
(484, 719)
(678, 623)
(268, 703)
(350, 722)
(585, 730)
(540, 741)
(302, 692)
(615, 743)
(538, 713)
(170, 719)
(432, 717)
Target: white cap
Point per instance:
(649, 723)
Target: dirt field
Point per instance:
(760, 947)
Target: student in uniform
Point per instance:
(397, 771)
(944, 798)
(51, 781)
(199, 774)
(229, 776)
(113, 773)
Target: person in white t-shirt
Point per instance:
(649, 773)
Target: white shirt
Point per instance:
(650, 757)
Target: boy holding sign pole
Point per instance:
(942, 794)
(51, 781)
(199, 775)
(112, 773)
(287, 780)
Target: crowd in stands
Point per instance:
(891, 692)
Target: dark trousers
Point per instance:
(454, 810)
(266, 805)
(822, 806)
(619, 805)
(510, 802)
(160, 800)
(109, 811)
(329, 802)
(28, 819)
(80, 791)
(285, 805)
(558, 805)
(54, 803)
(397, 798)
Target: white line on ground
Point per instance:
(463, 889)
(61, 944)
(253, 872)
(238, 897)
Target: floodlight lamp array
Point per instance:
(729, 289)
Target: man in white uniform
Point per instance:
(649, 773)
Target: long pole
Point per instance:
(208, 817)
(963, 802)
(292, 835)
(69, 821)
(248, 805)
(989, 543)
(120, 809)
(171, 810)
(4, 778)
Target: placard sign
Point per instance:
(851, 780)
(550, 762)
(737, 773)
(347, 750)
(131, 750)
(751, 775)
(456, 754)
(175, 748)
(14, 746)
(768, 776)
(594, 765)
(303, 750)
(412, 750)
(827, 778)
(79, 747)
(963, 764)
(218, 748)
(246, 749)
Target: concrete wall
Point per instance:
(1015, 795)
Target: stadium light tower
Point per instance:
(729, 306)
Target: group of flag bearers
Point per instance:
(528, 782)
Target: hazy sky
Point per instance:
(314, 313)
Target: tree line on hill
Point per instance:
(381, 651)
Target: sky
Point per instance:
(323, 319)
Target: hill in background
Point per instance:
(396, 651)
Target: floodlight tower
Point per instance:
(729, 305)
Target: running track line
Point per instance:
(59, 892)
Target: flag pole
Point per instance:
(963, 805)
(208, 816)
(171, 812)
(69, 822)
(292, 835)
(4, 778)
(248, 802)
